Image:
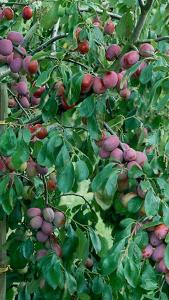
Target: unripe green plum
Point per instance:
(48, 214)
(98, 86)
(111, 143)
(146, 50)
(46, 228)
(36, 222)
(23, 167)
(129, 155)
(33, 212)
(16, 65)
(110, 79)
(158, 252)
(59, 219)
(41, 237)
(127, 197)
(6, 47)
(147, 251)
(113, 52)
(117, 154)
(15, 37)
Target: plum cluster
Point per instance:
(155, 250)
(44, 223)
(16, 57)
(8, 13)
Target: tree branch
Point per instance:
(100, 11)
(48, 43)
(55, 33)
(158, 39)
(141, 3)
(141, 21)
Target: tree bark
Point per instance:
(3, 115)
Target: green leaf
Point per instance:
(111, 184)
(82, 250)
(8, 142)
(131, 272)
(82, 171)
(110, 262)
(151, 204)
(21, 154)
(148, 278)
(71, 283)
(135, 204)
(95, 240)
(166, 214)
(87, 107)
(97, 285)
(100, 180)
(66, 178)
(27, 248)
(146, 74)
(166, 256)
(76, 82)
(107, 293)
(125, 26)
(44, 77)
(93, 127)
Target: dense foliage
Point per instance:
(84, 150)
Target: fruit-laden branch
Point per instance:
(14, 3)
(16, 49)
(3, 115)
(158, 39)
(100, 11)
(141, 21)
(48, 43)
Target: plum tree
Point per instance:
(84, 150)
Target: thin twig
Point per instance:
(75, 62)
(48, 43)
(16, 99)
(158, 39)
(141, 3)
(45, 190)
(78, 195)
(141, 21)
(100, 11)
